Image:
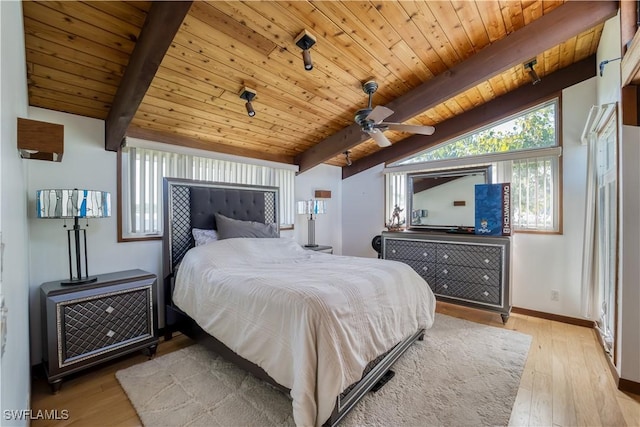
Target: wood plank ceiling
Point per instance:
(77, 53)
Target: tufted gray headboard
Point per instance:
(192, 204)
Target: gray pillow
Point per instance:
(229, 228)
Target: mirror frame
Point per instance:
(443, 173)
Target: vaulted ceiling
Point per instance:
(173, 71)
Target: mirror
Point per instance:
(445, 199)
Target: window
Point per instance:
(524, 150)
(143, 170)
(396, 195)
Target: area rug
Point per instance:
(462, 374)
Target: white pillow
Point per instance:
(202, 237)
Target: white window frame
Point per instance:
(501, 165)
(181, 162)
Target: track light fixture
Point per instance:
(248, 95)
(347, 157)
(304, 41)
(535, 79)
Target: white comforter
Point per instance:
(312, 321)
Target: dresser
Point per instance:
(83, 325)
(463, 269)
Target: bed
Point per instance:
(323, 328)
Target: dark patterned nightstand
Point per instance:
(83, 325)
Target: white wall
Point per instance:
(15, 371)
(561, 255)
(328, 226)
(363, 211)
(629, 279)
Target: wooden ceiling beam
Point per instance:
(162, 23)
(550, 30)
(492, 111)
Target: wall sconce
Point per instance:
(528, 66)
(40, 140)
(347, 157)
(304, 41)
(248, 95)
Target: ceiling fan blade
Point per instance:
(379, 138)
(379, 113)
(422, 130)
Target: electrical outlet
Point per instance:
(555, 295)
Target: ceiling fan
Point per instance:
(371, 120)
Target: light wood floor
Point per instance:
(566, 381)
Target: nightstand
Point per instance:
(320, 248)
(83, 325)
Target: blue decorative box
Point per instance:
(493, 209)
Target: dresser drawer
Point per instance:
(423, 268)
(480, 276)
(105, 309)
(468, 291)
(104, 337)
(409, 250)
(488, 257)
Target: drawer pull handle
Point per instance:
(110, 309)
(424, 254)
(485, 277)
(445, 286)
(445, 256)
(485, 293)
(110, 333)
(486, 260)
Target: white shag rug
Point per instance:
(462, 374)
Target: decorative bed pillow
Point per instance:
(203, 237)
(229, 228)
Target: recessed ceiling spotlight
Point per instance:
(248, 95)
(304, 41)
(347, 157)
(528, 66)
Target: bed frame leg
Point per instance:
(385, 379)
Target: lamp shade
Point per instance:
(73, 204)
(311, 207)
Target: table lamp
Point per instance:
(311, 208)
(76, 204)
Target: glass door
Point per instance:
(607, 228)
